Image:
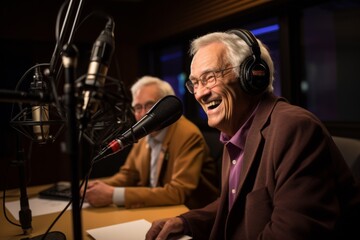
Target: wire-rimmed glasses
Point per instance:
(207, 79)
(139, 107)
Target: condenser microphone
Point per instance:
(100, 58)
(164, 113)
(40, 113)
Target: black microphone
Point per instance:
(164, 113)
(40, 112)
(101, 54)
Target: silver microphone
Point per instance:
(40, 113)
(101, 54)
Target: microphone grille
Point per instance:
(167, 111)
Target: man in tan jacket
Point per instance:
(168, 167)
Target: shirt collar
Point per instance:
(158, 138)
(239, 137)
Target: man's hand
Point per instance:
(98, 194)
(163, 228)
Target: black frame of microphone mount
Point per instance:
(67, 52)
(72, 16)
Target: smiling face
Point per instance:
(226, 105)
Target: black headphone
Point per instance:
(254, 75)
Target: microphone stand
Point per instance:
(70, 54)
(25, 216)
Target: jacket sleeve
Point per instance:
(128, 174)
(199, 222)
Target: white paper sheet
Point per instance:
(134, 230)
(39, 206)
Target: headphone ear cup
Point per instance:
(243, 75)
(254, 76)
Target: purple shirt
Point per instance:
(235, 146)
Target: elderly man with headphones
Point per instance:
(282, 175)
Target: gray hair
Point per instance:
(163, 86)
(237, 51)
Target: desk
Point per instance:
(91, 217)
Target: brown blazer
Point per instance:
(187, 173)
(294, 183)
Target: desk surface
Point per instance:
(91, 217)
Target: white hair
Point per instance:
(163, 86)
(237, 51)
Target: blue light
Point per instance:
(168, 57)
(264, 30)
(181, 83)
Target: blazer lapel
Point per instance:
(145, 164)
(162, 165)
(254, 138)
(164, 155)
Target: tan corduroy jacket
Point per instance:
(187, 173)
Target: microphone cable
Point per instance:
(60, 214)
(85, 183)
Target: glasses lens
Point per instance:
(147, 106)
(190, 87)
(209, 80)
(137, 108)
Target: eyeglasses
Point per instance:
(138, 107)
(207, 79)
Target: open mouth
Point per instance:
(213, 104)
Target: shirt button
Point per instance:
(233, 191)
(233, 162)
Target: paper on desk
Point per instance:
(39, 206)
(134, 230)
